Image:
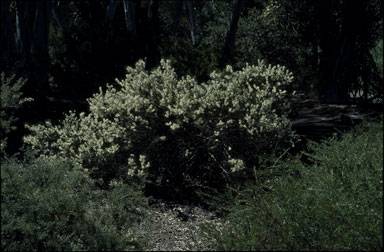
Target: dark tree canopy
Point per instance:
(68, 49)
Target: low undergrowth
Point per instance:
(334, 203)
(52, 204)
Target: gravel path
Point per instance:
(176, 227)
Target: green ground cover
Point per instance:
(334, 202)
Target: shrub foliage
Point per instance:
(11, 100)
(52, 204)
(173, 131)
(334, 204)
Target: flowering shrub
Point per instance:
(173, 131)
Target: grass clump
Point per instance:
(51, 204)
(335, 203)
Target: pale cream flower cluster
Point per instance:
(147, 106)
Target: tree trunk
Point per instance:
(111, 10)
(153, 9)
(337, 92)
(39, 64)
(315, 55)
(191, 17)
(177, 16)
(335, 57)
(229, 45)
(25, 18)
(325, 44)
(95, 11)
(58, 19)
(152, 34)
(7, 40)
(351, 26)
(129, 13)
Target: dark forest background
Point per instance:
(67, 50)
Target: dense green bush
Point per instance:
(51, 204)
(173, 131)
(334, 204)
(10, 101)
